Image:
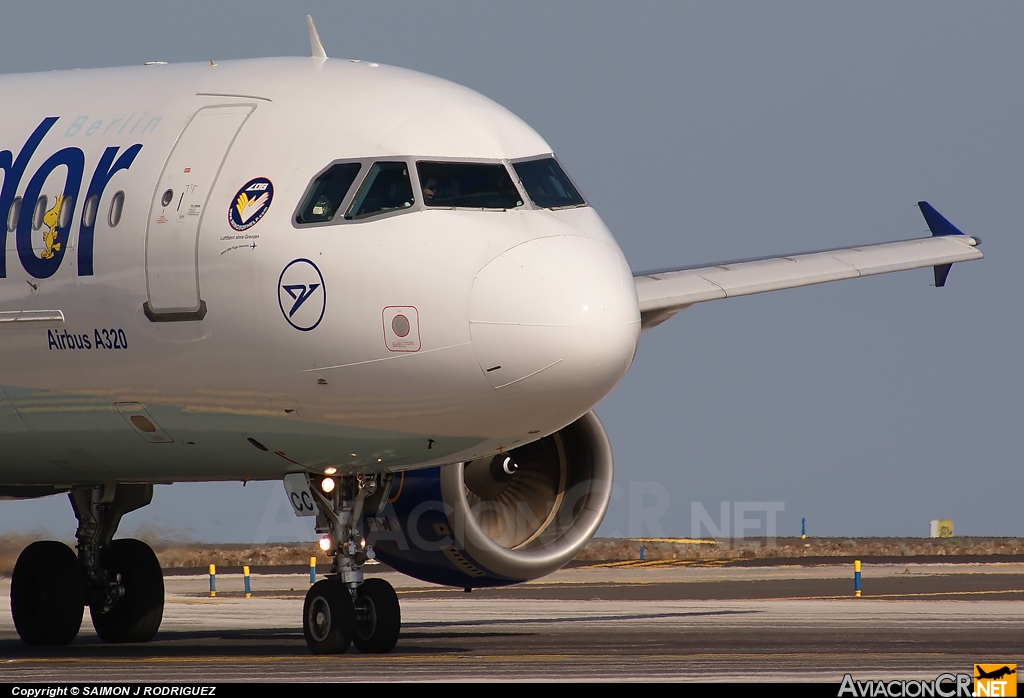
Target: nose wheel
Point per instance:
(378, 617)
(332, 620)
(328, 617)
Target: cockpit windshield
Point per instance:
(467, 185)
(327, 193)
(386, 188)
(547, 184)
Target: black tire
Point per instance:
(136, 616)
(378, 617)
(47, 594)
(328, 617)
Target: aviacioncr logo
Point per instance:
(302, 295)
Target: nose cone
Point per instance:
(555, 323)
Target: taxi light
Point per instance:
(330, 471)
(325, 543)
(327, 485)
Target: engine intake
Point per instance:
(498, 520)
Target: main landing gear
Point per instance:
(345, 609)
(120, 580)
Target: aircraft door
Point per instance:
(178, 208)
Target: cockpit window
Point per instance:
(327, 193)
(387, 188)
(547, 184)
(467, 185)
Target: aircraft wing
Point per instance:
(664, 293)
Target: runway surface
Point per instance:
(629, 622)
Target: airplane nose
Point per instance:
(555, 317)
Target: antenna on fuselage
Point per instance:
(316, 48)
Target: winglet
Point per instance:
(315, 47)
(939, 226)
(936, 221)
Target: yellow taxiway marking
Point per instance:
(465, 657)
(678, 541)
(202, 600)
(878, 597)
(933, 593)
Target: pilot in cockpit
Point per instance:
(442, 191)
(429, 190)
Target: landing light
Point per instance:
(325, 543)
(327, 485)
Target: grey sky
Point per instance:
(703, 132)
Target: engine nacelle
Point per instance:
(485, 523)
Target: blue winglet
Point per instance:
(936, 222)
(939, 226)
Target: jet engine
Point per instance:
(498, 520)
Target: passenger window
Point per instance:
(92, 204)
(327, 193)
(116, 208)
(467, 185)
(386, 188)
(547, 184)
(12, 215)
(39, 212)
(67, 207)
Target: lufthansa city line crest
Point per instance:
(251, 203)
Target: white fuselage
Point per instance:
(182, 324)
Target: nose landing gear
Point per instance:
(345, 609)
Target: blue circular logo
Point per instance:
(251, 203)
(302, 295)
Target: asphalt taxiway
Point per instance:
(631, 621)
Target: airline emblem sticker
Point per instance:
(302, 295)
(251, 203)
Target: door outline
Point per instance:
(189, 315)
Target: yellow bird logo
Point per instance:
(50, 219)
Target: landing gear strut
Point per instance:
(345, 609)
(120, 580)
